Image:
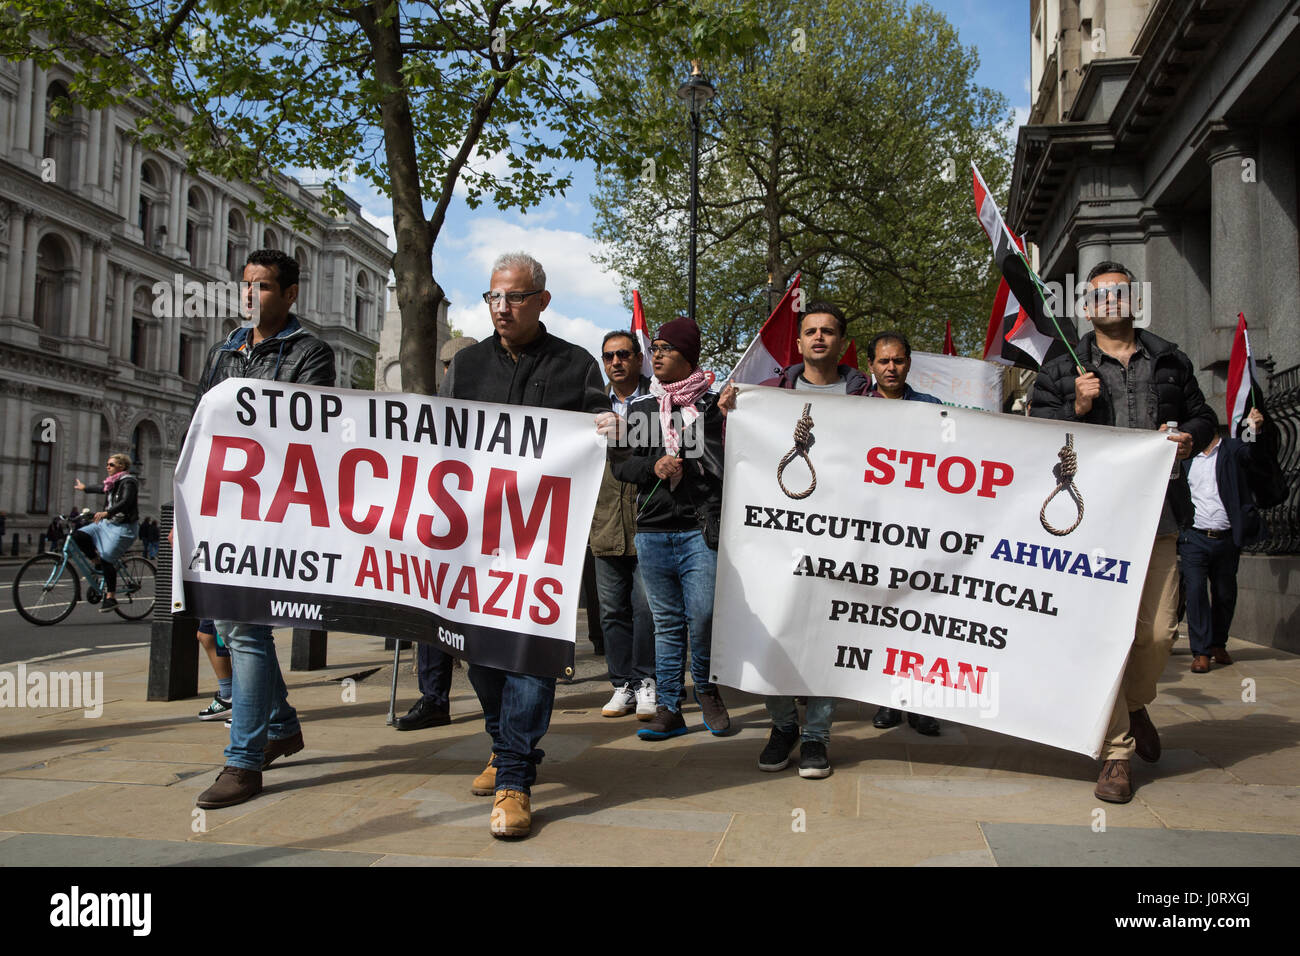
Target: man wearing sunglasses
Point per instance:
(624, 614)
(521, 364)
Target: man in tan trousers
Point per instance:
(1132, 379)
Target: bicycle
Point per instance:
(48, 586)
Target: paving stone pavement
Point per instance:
(119, 789)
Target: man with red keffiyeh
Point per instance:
(671, 449)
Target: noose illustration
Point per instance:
(802, 440)
(1065, 482)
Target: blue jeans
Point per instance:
(820, 712)
(259, 699)
(625, 620)
(517, 713)
(1212, 562)
(678, 569)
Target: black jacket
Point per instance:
(697, 499)
(550, 373)
(121, 505)
(1234, 457)
(1177, 395)
(294, 355)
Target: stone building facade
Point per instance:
(90, 363)
(1163, 134)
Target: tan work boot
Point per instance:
(512, 816)
(485, 784)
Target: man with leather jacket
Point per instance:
(277, 348)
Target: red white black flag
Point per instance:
(1243, 386)
(1033, 336)
(773, 348)
(642, 334)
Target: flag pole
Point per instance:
(1042, 294)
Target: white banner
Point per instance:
(463, 524)
(957, 380)
(918, 573)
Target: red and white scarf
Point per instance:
(681, 395)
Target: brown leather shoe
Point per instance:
(1115, 785)
(284, 747)
(1201, 664)
(512, 816)
(234, 785)
(1146, 739)
(485, 784)
(1220, 655)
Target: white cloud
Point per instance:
(566, 255)
(1020, 116)
(498, 164)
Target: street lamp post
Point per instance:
(696, 91)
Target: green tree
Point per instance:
(404, 93)
(840, 148)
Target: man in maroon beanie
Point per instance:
(672, 452)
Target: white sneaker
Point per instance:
(621, 703)
(645, 700)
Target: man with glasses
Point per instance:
(1132, 379)
(521, 364)
(624, 614)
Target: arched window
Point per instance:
(198, 218)
(362, 295)
(236, 244)
(153, 189)
(58, 131)
(53, 271)
(42, 460)
(269, 241)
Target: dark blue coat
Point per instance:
(1230, 466)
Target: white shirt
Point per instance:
(1201, 478)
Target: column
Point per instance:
(98, 332)
(108, 144)
(337, 290)
(130, 168)
(14, 266)
(37, 139)
(1279, 250)
(88, 174)
(23, 106)
(1093, 248)
(119, 331)
(217, 239)
(1234, 231)
(176, 214)
(27, 308)
(79, 305)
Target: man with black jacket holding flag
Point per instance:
(1132, 379)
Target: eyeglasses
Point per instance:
(112, 464)
(514, 298)
(621, 354)
(662, 349)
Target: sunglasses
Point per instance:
(621, 354)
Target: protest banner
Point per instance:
(459, 523)
(943, 562)
(957, 380)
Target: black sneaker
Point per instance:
(665, 724)
(776, 755)
(217, 710)
(713, 710)
(812, 760)
(108, 605)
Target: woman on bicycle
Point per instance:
(115, 527)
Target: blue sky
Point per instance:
(586, 301)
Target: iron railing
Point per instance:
(1282, 405)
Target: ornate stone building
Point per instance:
(90, 364)
(1162, 134)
